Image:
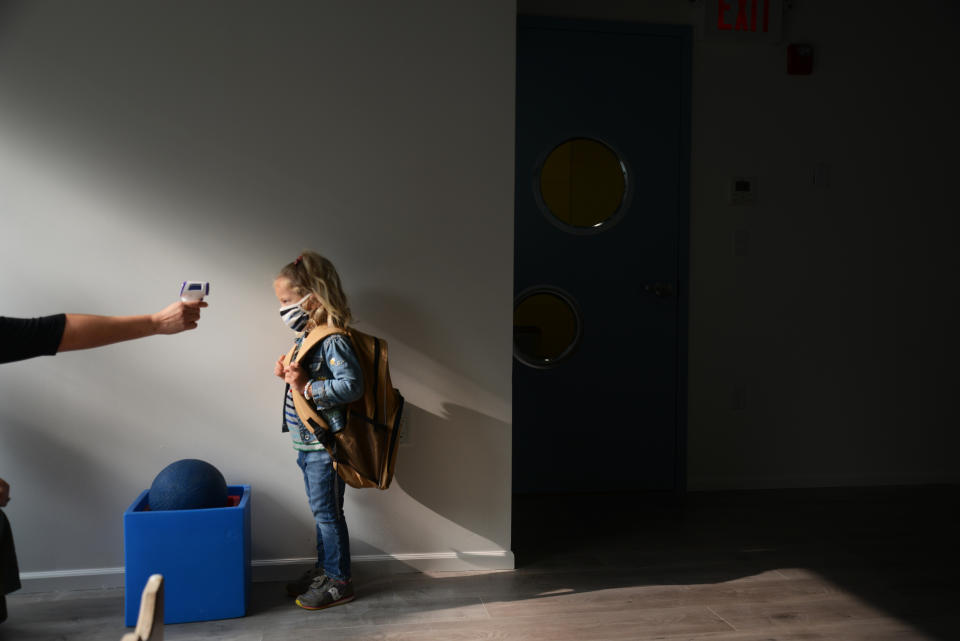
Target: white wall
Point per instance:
(827, 355)
(146, 143)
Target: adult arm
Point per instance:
(22, 338)
(83, 331)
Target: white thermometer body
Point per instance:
(193, 290)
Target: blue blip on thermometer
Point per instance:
(192, 290)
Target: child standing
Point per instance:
(329, 377)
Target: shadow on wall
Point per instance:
(63, 485)
(75, 493)
(442, 460)
(224, 132)
(420, 329)
(220, 114)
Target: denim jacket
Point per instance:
(336, 379)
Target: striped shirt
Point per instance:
(336, 379)
(303, 439)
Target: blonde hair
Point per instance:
(311, 273)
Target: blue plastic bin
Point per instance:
(203, 555)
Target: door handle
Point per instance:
(660, 289)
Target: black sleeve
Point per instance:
(22, 338)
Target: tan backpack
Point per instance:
(364, 452)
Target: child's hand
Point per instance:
(278, 368)
(296, 376)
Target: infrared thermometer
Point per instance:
(193, 290)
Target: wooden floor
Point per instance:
(850, 565)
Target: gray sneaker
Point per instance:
(325, 592)
(302, 583)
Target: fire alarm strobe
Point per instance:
(743, 191)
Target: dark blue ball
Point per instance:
(188, 484)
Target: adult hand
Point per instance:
(278, 369)
(177, 317)
(4, 493)
(296, 376)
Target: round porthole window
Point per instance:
(546, 327)
(582, 183)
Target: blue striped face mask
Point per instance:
(294, 315)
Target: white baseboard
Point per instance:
(63, 580)
(282, 569)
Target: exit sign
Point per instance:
(743, 20)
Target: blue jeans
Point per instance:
(325, 495)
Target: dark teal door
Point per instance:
(601, 253)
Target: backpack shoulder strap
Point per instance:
(305, 410)
(312, 340)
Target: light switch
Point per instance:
(743, 191)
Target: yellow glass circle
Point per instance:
(545, 327)
(582, 182)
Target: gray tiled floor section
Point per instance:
(851, 565)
